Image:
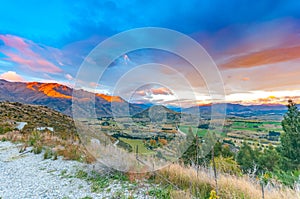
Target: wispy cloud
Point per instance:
(21, 52)
(264, 57)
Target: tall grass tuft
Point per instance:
(229, 186)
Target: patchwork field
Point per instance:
(236, 131)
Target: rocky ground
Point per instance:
(28, 175)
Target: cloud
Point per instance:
(264, 57)
(12, 76)
(150, 90)
(22, 52)
(268, 98)
(245, 78)
(161, 91)
(69, 77)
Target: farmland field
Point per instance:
(255, 132)
(137, 142)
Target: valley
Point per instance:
(154, 133)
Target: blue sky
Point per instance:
(48, 40)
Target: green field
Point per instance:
(200, 132)
(137, 142)
(259, 126)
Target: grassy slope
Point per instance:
(139, 143)
(36, 116)
(63, 141)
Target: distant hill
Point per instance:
(59, 97)
(264, 111)
(158, 113)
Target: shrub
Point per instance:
(160, 193)
(34, 138)
(71, 153)
(227, 165)
(37, 149)
(48, 154)
(152, 142)
(163, 141)
(54, 156)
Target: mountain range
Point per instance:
(263, 111)
(59, 97)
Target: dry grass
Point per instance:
(185, 178)
(229, 187)
(69, 148)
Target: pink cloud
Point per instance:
(14, 41)
(264, 57)
(12, 76)
(154, 91)
(161, 91)
(36, 64)
(22, 52)
(69, 77)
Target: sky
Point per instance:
(255, 45)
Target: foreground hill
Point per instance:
(36, 116)
(43, 127)
(58, 97)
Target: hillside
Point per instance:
(60, 137)
(59, 97)
(158, 113)
(36, 116)
(263, 111)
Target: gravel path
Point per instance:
(30, 176)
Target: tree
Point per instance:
(247, 158)
(290, 139)
(190, 155)
(269, 159)
(190, 136)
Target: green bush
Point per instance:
(164, 193)
(34, 138)
(48, 154)
(37, 149)
(287, 178)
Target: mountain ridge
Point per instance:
(59, 97)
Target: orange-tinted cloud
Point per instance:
(274, 100)
(161, 91)
(154, 91)
(264, 57)
(12, 76)
(245, 78)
